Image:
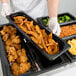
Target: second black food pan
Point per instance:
(40, 19)
(63, 46)
(6, 65)
(72, 57)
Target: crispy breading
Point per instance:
(22, 59)
(21, 56)
(5, 37)
(8, 42)
(15, 69)
(17, 46)
(20, 68)
(2, 32)
(24, 67)
(12, 53)
(21, 52)
(16, 40)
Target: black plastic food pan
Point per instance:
(40, 19)
(4, 60)
(63, 46)
(72, 57)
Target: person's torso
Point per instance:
(35, 8)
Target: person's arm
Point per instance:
(4, 1)
(53, 6)
(6, 10)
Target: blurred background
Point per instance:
(65, 6)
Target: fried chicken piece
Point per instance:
(5, 37)
(22, 59)
(8, 42)
(7, 48)
(12, 53)
(15, 69)
(24, 52)
(12, 36)
(11, 58)
(16, 40)
(21, 52)
(9, 29)
(24, 67)
(6, 29)
(2, 32)
(17, 46)
(13, 30)
(20, 68)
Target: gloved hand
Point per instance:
(54, 26)
(5, 10)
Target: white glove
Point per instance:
(54, 26)
(5, 10)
